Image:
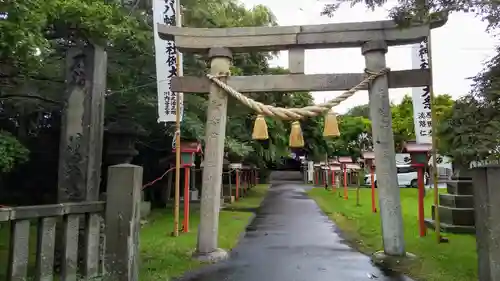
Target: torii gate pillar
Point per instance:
(214, 155)
(385, 155)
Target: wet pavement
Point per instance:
(290, 239)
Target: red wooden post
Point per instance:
(419, 153)
(372, 176)
(346, 195)
(186, 198)
(421, 194)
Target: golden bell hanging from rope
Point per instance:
(331, 126)
(260, 129)
(296, 138)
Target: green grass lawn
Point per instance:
(164, 257)
(456, 260)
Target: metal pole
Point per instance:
(177, 129)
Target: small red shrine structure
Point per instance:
(419, 153)
(344, 160)
(188, 151)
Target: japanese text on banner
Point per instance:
(421, 97)
(167, 65)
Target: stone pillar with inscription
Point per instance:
(215, 133)
(80, 148)
(385, 155)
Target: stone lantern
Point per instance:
(122, 136)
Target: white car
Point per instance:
(407, 177)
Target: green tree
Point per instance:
(471, 130)
(35, 34)
(359, 110)
(12, 152)
(419, 10)
(33, 38)
(402, 122)
(355, 136)
(402, 117)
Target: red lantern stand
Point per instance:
(369, 158)
(237, 168)
(419, 154)
(344, 160)
(188, 151)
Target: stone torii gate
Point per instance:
(372, 37)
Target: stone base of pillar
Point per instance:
(212, 257)
(194, 195)
(393, 263)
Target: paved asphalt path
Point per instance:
(290, 239)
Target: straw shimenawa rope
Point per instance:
(297, 113)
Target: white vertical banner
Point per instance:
(421, 96)
(166, 56)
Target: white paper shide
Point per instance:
(166, 61)
(421, 96)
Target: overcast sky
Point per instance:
(459, 48)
